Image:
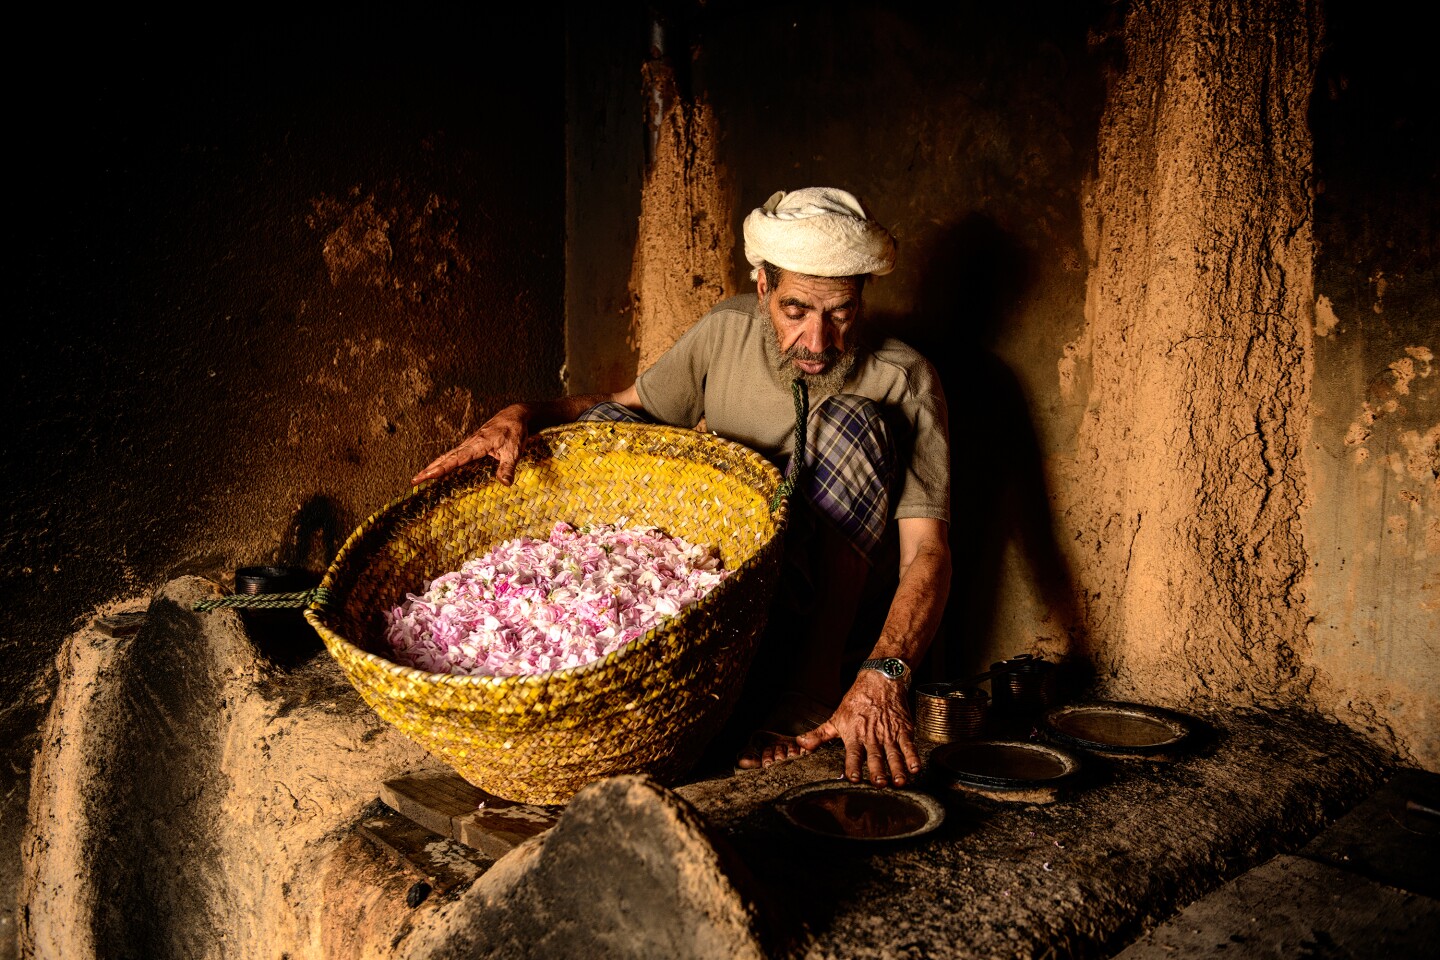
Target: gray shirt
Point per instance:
(717, 372)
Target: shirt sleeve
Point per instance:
(925, 485)
(673, 389)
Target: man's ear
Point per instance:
(760, 284)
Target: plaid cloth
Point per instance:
(850, 466)
(611, 411)
(849, 469)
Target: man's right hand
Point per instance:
(499, 437)
(502, 435)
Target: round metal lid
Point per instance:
(841, 810)
(269, 579)
(1004, 764)
(1116, 728)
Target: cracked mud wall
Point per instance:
(280, 274)
(1252, 504)
(682, 254)
(1186, 490)
(188, 792)
(650, 238)
(260, 297)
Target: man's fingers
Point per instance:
(434, 470)
(854, 757)
(442, 465)
(825, 732)
(895, 760)
(782, 750)
(913, 763)
(875, 762)
(474, 447)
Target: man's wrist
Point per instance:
(891, 668)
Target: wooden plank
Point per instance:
(440, 862)
(500, 826)
(433, 799)
(125, 623)
(445, 803)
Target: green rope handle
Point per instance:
(802, 417)
(268, 601)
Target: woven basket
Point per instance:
(651, 706)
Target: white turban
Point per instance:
(820, 231)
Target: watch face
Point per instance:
(892, 667)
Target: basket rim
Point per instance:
(483, 475)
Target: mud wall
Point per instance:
(265, 277)
(1186, 483)
(968, 130)
(1374, 454)
(263, 285)
(1175, 263)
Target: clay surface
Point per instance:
(629, 871)
(682, 253)
(187, 792)
(191, 799)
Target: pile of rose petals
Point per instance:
(531, 606)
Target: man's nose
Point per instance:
(813, 335)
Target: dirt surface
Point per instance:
(1118, 851)
(187, 790)
(192, 798)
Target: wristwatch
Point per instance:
(892, 667)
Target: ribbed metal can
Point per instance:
(946, 712)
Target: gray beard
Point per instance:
(818, 386)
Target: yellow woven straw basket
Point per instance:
(651, 706)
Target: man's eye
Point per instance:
(795, 313)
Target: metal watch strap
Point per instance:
(881, 664)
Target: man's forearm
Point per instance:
(919, 602)
(539, 414)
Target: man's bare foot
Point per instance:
(767, 747)
(795, 714)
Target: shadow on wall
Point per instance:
(974, 276)
(312, 537)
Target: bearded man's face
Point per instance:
(814, 325)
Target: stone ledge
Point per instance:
(1080, 877)
(1272, 911)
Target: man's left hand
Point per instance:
(874, 722)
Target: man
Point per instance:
(877, 451)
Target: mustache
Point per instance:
(798, 352)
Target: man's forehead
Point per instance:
(811, 289)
